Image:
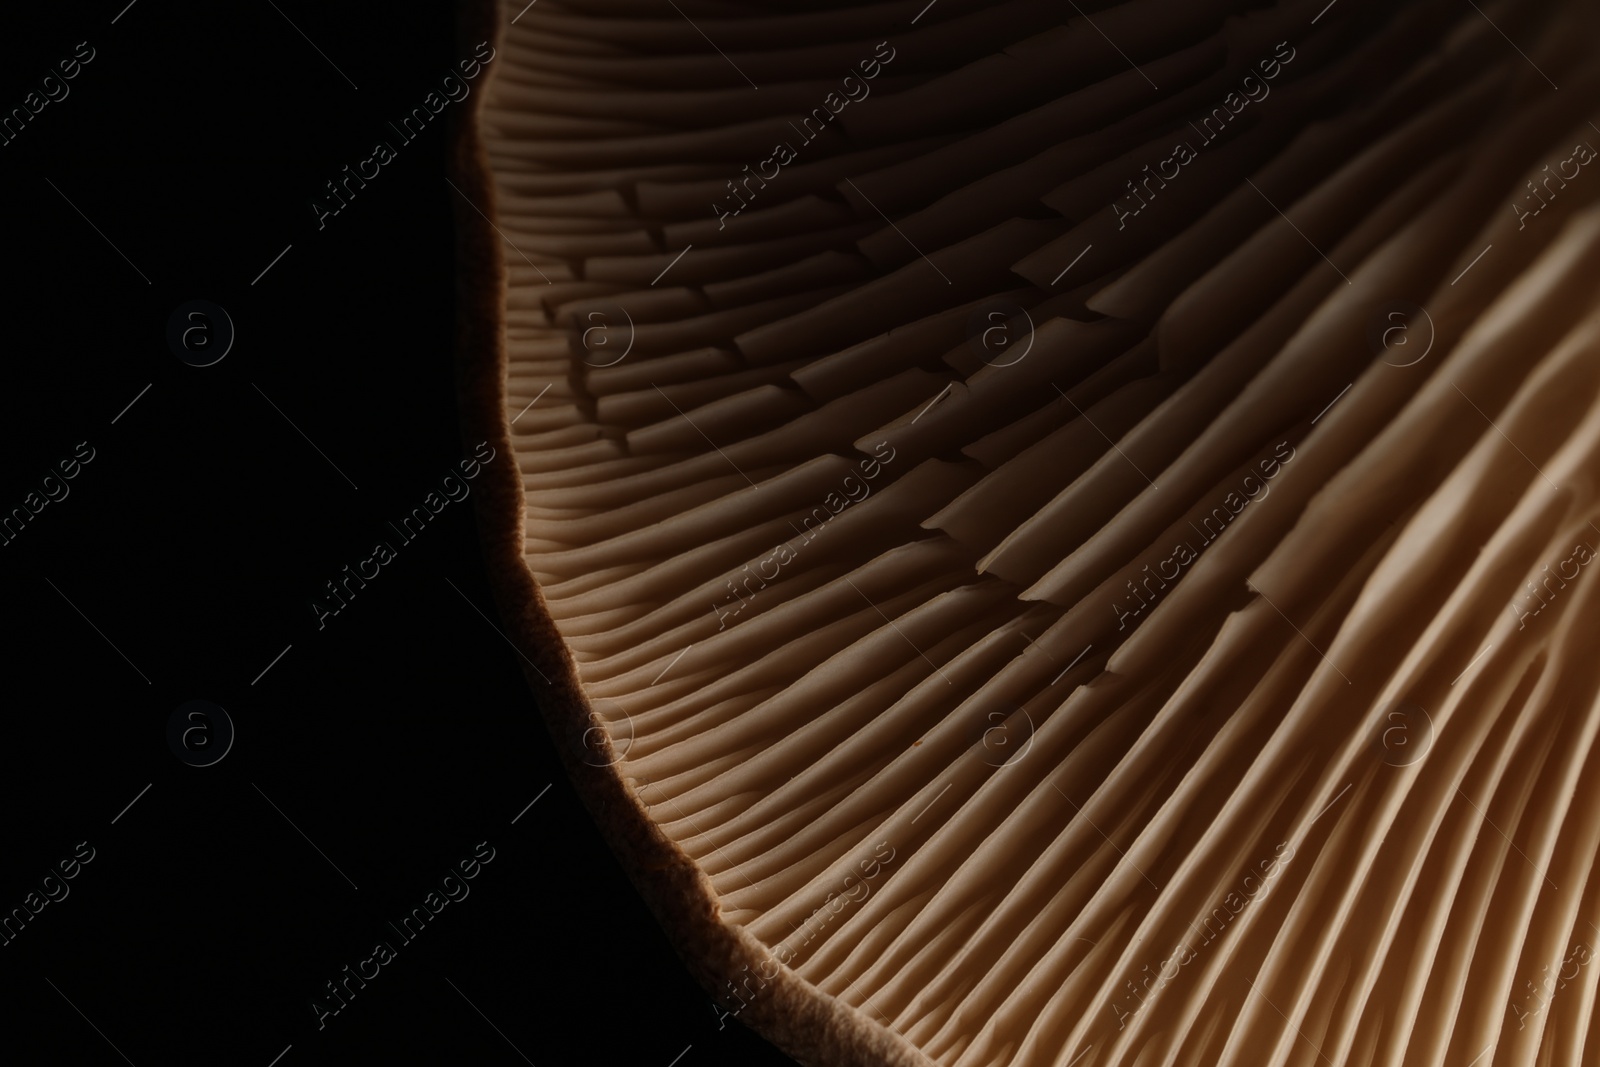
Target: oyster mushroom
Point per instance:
(1062, 536)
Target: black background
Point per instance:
(187, 554)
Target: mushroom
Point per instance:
(1062, 535)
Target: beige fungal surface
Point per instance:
(1085, 549)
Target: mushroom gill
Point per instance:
(1058, 534)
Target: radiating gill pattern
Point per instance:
(1079, 448)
